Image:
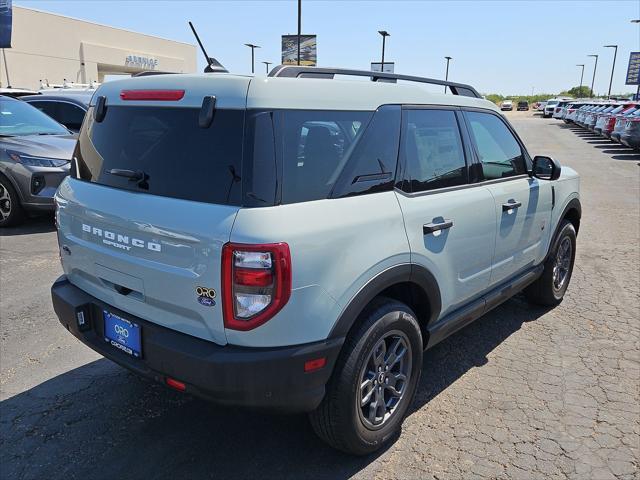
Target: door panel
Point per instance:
(460, 256)
(522, 204)
(451, 228)
(521, 229)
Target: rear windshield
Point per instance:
(163, 151)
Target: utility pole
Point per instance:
(446, 73)
(581, 76)
(299, 27)
(613, 66)
(267, 64)
(252, 47)
(594, 73)
(384, 34)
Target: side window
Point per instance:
(46, 107)
(372, 164)
(315, 149)
(432, 150)
(499, 152)
(70, 115)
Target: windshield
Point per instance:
(18, 118)
(551, 103)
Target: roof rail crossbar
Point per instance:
(295, 71)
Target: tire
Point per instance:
(11, 212)
(548, 290)
(341, 420)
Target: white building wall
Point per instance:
(55, 48)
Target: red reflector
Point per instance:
(252, 277)
(164, 95)
(173, 383)
(315, 364)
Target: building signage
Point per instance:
(5, 23)
(146, 63)
(633, 70)
(308, 50)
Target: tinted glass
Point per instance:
(315, 148)
(48, 108)
(432, 150)
(70, 115)
(259, 169)
(498, 150)
(372, 165)
(18, 118)
(179, 158)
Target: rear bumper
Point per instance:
(271, 378)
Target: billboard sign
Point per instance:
(308, 50)
(389, 67)
(5, 23)
(633, 70)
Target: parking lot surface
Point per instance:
(524, 392)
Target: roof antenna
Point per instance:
(213, 66)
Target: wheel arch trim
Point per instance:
(402, 273)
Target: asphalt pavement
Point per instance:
(524, 392)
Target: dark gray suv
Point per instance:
(35, 152)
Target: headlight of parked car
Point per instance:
(33, 161)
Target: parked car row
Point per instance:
(37, 137)
(618, 121)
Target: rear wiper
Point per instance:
(133, 176)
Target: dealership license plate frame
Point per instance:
(127, 338)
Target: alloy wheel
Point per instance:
(384, 379)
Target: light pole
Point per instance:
(267, 64)
(299, 27)
(446, 73)
(637, 89)
(252, 47)
(594, 72)
(581, 75)
(384, 34)
(613, 66)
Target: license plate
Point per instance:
(122, 334)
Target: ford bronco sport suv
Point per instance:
(296, 242)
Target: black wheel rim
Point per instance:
(384, 379)
(562, 264)
(5, 203)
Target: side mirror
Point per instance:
(545, 168)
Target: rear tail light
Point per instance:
(162, 95)
(256, 283)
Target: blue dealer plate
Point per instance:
(122, 334)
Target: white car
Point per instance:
(506, 105)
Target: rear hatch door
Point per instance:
(151, 199)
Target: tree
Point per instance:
(579, 92)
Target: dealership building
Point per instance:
(53, 49)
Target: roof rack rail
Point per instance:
(295, 71)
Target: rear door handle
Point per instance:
(510, 206)
(436, 227)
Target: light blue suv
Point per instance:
(296, 242)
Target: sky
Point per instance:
(507, 47)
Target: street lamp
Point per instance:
(613, 66)
(581, 75)
(594, 72)
(384, 34)
(252, 47)
(446, 73)
(267, 64)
